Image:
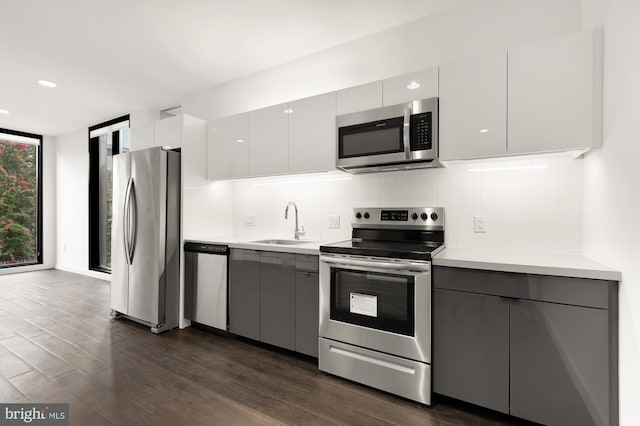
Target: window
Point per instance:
(105, 141)
(20, 198)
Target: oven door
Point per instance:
(376, 303)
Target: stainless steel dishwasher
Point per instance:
(206, 284)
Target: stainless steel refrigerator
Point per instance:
(145, 238)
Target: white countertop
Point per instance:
(528, 263)
(244, 242)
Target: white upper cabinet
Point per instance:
(359, 98)
(473, 108)
(168, 132)
(410, 87)
(269, 140)
(312, 134)
(228, 147)
(555, 94)
(141, 137)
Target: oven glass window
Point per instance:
(375, 300)
(383, 137)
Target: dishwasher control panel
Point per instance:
(206, 248)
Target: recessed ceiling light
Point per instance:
(47, 83)
(484, 130)
(240, 140)
(3, 111)
(413, 85)
(288, 111)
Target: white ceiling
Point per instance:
(112, 57)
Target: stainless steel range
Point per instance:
(375, 300)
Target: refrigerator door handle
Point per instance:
(133, 207)
(127, 220)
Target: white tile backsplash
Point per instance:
(531, 205)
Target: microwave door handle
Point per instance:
(406, 131)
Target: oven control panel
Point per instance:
(410, 217)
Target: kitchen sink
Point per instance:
(281, 242)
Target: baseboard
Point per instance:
(88, 273)
(28, 268)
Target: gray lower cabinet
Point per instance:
(307, 312)
(273, 298)
(244, 293)
(541, 348)
(559, 358)
(278, 299)
(471, 348)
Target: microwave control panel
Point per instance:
(421, 131)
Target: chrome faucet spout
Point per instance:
(297, 231)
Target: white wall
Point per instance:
(72, 204)
(529, 209)
(612, 198)
(460, 32)
(49, 203)
(531, 205)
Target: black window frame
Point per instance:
(39, 198)
(94, 193)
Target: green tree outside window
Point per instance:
(18, 201)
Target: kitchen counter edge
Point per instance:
(575, 266)
(310, 247)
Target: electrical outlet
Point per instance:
(249, 221)
(334, 221)
(480, 223)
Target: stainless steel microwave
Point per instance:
(396, 137)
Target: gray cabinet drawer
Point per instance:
(572, 291)
(307, 262)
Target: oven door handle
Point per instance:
(399, 266)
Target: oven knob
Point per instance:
(366, 215)
(424, 216)
(358, 215)
(434, 216)
(414, 216)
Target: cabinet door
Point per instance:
(244, 293)
(312, 134)
(228, 147)
(269, 146)
(307, 312)
(559, 363)
(473, 108)
(410, 87)
(555, 94)
(168, 132)
(278, 299)
(141, 137)
(359, 98)
(471, 348)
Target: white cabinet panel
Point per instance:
(168, 132)
(269, 146)
(555, 94)
(409, 87)
(141, 137)
(473, 108)
(228, 147)
(359, 98)
(312, 134)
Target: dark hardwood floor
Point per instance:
(58, 344)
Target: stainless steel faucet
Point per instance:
(297, 232)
